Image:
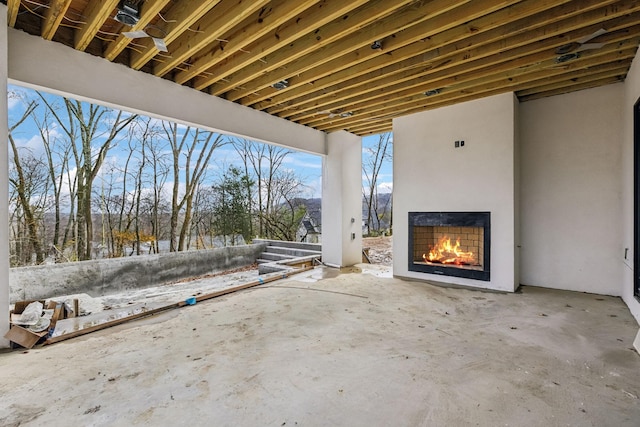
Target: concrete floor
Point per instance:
(342, 349)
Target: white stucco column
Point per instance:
(342, 200)
(4, 179)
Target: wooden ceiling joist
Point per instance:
(266, 20)
(207, 30)
(275, 67)
(178, 20)
(310, 21)
(342, 68)
(53, 17)
(407, 26)
(419, 80)
(439, 47)
(572, 88)
(13, 7)
(472, 90)
(337, 78)
(582, 76)
(98, 11)
(386, 106)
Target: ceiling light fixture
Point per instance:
(432, 92)
(282, 84)
(568, 57)
(346, 114)
(376, 45)
(128, 12)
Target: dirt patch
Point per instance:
(380, 249)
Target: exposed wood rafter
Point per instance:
(343, 55)
(53, 17)
(283, 36)
(356, 65)
(266, 21)
(207, 30)
(475, 33)
(179, 18)
(97, 13)
(13, 7)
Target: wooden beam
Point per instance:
(471, 97)
(72, 328)
(314, 19)
(385, 125)
(563, 81)
(149, 10)
(395, 74)
(419, 80)
(572, 88)
(207, 30)
(96, 12)
(326, 42)
(485, 92)
(408, 24)
(438, 53)
(438, 47)
(454, 20)
(482, 88)
(266, 20)
(465, 61)
(13, 7)
(537, 69)
(53, 17)
(180, 17)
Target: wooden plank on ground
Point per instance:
(77, 326)
(260, 281)
(74, 327)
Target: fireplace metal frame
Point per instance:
(452, 219)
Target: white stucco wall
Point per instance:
(59, 69)
(631, 96)
(342, 200)
(431, 175)
(570, 191)
(4, 183)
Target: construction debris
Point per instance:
(31, 323)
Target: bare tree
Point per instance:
(57, 158)
(196, 146)
(23, 182)
(375, 157)
(159, 171)
(284, 216)
(263, 162)
(88, 156)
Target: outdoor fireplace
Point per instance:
(454, 244)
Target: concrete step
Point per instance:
(292, 251)
(275, 256)
(279, 255)
(296, 245)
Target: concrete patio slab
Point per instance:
(347, 348)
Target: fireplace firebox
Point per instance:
(454, 244)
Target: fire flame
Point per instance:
(446, 253)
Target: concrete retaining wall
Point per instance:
(103, 277)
